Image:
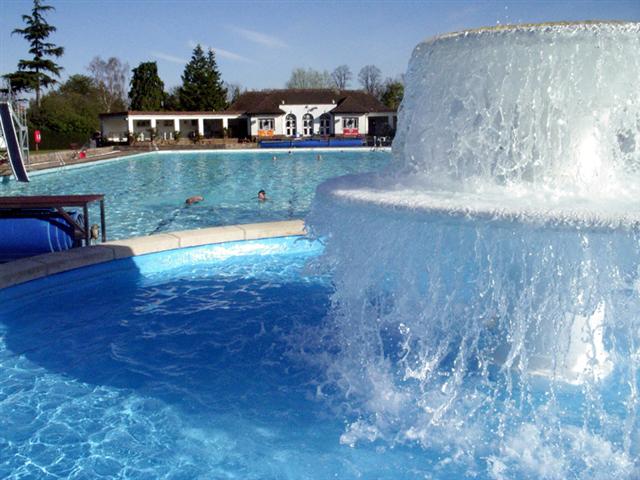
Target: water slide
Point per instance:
(12, 144)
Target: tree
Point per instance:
(341, 76)
(172, 99)
(370, 77)
(37, 73)
(234, 90)
(202, 87)
(110, 76)
(147, 90)
(309, 78)
(392, 93)
(68, 114)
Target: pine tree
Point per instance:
(36, 74)
(202, 88)
(147, 90)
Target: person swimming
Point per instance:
(262, 196)
(194, 199)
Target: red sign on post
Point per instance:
(350, 132)
(36, 136)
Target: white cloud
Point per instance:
(168, 58)
(221, 52)
(261, 38)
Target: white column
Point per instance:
(201, 127)
(153, 123)
(390, 118)
(176, 124)
(130, 125)
(225, 122)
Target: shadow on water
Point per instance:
(193, 372)
(200, 343)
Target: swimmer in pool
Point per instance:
(262, 196)
(194, 199)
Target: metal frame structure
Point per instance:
(58, 203)
(19, 116)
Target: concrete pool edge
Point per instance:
(40, 266)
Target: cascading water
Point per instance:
(487, 302)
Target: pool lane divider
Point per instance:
(32, 268)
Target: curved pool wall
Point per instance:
(500, 251)
(27, 269)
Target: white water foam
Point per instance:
(487, 302)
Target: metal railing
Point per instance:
(19, 114)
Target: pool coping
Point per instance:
(40, 266)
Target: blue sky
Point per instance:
(258, 43)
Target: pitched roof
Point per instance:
(270, 101)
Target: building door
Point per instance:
(325, 124)
(290, 125)
(238, 128)
(307, 125)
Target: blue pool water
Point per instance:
(145, 194)
(221, 362)
(186, 370)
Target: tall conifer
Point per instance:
(202, 88)
(147, 90)
(38, 72)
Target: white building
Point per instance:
(263, 114)
(116, 127)
(315, 112)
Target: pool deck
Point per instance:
(32, 268)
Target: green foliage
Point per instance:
(392, 94)
(38, 72)
(147, 90)
(67, 115)
(202, 87)
(172, 100)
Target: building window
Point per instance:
(194, 123)
(325, 124)
(168, 123)
(265, 124)
(307, 125)
(290, 125)
(143, 123)
(350, 122)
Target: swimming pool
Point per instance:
(224, 361)
(145, 193)
(190, 368)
